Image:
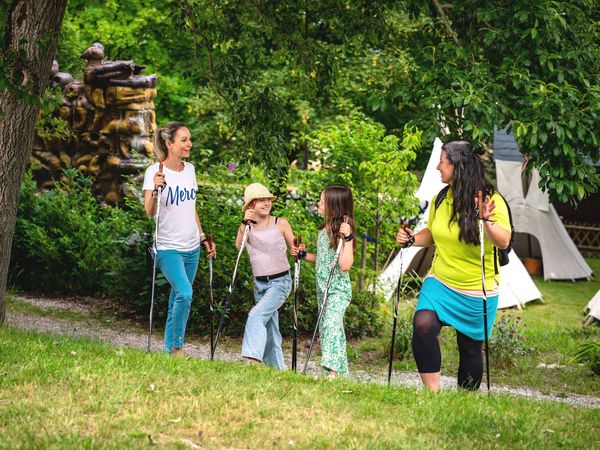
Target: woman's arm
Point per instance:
(346, 258)
(150, 200)
(248, 217)
(422, 239)
(498, 236)
(239, 235)
(211, 249)
(347, 255)
(310, 257)
(151, 196)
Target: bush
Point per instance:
(362, 316)
(403, 339)
(589, 353)
(65, 242)
(508, 342)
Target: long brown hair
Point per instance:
(338, 203)
(468, 179)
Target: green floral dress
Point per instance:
(331, 328)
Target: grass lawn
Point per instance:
(59, 392)
(553, 330)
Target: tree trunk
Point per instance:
(376, 255)
(33, 27)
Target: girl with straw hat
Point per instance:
(267, 244)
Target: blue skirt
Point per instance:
(462, 312)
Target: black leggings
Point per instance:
(426, 348)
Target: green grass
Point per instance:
(553, 332)
(58, 392)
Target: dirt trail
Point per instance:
(86, 322)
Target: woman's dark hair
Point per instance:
(164, 134)
(338, 203)
(468, 179)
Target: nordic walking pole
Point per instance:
(228, 298)
(155, 251)
(297, 241)
(396, 301)
(324, 305)
(483, 291)
(212, 299)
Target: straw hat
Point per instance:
(256, 191)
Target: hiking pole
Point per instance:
(212, 298)
(155, 251)
(297, 241)
(228, 298)
(396, 301)
(483, 291)
(324, 305)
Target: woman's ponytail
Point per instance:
(162, 135)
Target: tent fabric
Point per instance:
(534, 214)
(593, 309)
(516, 286)
(431, 183)
(505, 147)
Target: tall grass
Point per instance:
(58, 392)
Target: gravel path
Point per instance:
(122, 333)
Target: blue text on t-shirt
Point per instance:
(179, 195)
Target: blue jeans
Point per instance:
(262, 339)
(179, 268)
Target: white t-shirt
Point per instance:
(177, 222)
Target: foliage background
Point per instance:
(277, 89)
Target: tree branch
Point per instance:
(440, 9)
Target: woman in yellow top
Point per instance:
(452, 293)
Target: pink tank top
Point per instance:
(267, 250)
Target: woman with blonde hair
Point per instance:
(180, 232)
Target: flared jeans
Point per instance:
(179, 268)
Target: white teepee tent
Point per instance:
(593, 309)
(533, 214)
(516, 286)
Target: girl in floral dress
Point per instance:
(334, 205)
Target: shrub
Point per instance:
(589, 353)
(65, 242)
(403, 339)
(362, 316)
(508, 341)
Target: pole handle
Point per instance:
(160, 170)
(209, 240)
(480, 204)
(297, 242)
(345, 220)
(411, 236)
